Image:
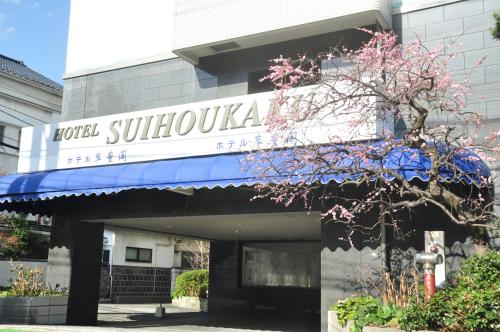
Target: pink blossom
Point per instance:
(409, 83)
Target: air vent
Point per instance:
(224, 47)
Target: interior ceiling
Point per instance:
(264, 226)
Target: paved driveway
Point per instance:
(122, 317)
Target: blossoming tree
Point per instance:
(408, 139)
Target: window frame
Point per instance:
(138, 250)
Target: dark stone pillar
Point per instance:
(75, 263)
(343, 265)
(223, 279)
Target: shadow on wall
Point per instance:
(460, 241)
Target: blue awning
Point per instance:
(199, 172)
(195, 172)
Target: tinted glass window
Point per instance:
(254, 84)
(285, 264)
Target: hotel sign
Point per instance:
(212, 127)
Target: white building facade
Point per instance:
(136, 66)
(27, 98)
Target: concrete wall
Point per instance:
(147, 86)
(39, 310)
(6, 266)
(175, 81)
(8, 160)
(467, 22)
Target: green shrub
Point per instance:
(431, 315)
(495, 31)
(470, 303)
(30, 282)
(192, 283)
(480, 271)
(14, 237)
(17, 241)
(4, 291)
(366, 310)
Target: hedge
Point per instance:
(192, 283)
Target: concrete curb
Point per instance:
(34, 310)
(335, 326)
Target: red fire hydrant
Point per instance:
(429, 260)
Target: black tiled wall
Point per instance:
(139, 281)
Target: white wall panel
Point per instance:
(111, 32)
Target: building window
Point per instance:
(2, 133)
(138, 255)
(105, 257)
(254, 83)
(185, 262)
(284, 264)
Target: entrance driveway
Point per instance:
(177, 319)
(127, 317)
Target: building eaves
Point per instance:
(19, 69)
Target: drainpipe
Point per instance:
(111, 274)
(154, 282)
